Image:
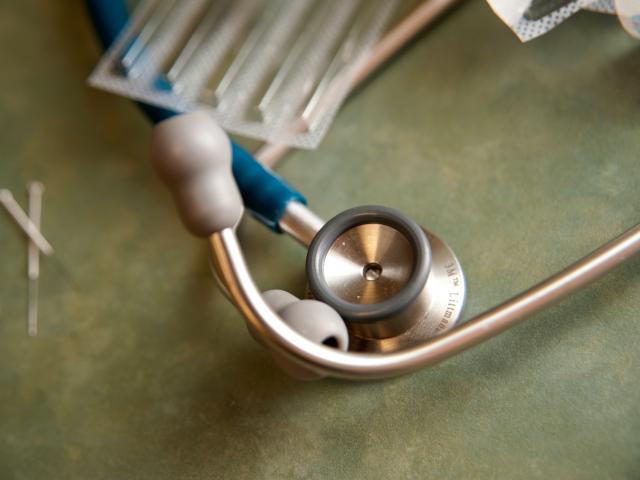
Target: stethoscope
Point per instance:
(384, 293)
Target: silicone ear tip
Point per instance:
(278, 299)
(186, 145)
(318, 322)
(192, 156)
(314, 320)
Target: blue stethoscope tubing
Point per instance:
(264, 193)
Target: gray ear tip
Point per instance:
(278, 299)
(192, 156)
(318, 322)
(188, 144)
(314, 320)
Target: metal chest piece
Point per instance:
(394, 283)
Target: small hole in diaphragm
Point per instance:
(372, 271)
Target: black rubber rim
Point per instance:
(353, 217)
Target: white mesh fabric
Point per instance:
(512, 12)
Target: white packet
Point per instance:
(531, 18)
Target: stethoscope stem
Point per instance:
(299, 222)
(233, 272)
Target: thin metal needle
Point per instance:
(426, 13)
(35, 190)
(158, 15)
(23, 221)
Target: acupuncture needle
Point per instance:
(158, 16)
(242, 20)
(302, 43)
(35, 190)
(342, 57)
(298, 13)
(255, 38)
(427, 12)
(24, 222)
(214, 12)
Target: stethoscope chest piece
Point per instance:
(394, 283)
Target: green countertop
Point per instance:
(523, 157)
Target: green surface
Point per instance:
(524, 157)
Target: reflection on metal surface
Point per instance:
(438, 308)
(368, 264)
(300, 222)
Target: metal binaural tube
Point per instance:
(234, 273)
